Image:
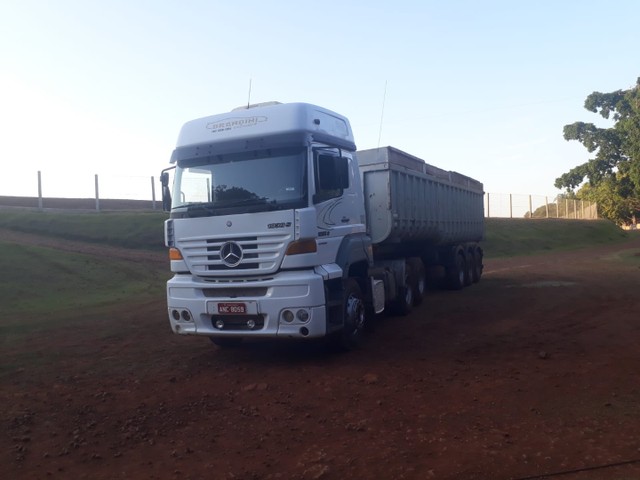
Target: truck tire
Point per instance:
(404, 303)
(469, 260)
(477, 265)
(354, 318)
(456, 273)
(419, 283)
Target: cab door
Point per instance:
(337, 198)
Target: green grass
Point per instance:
(44, 292)
(143, 230)
(503, 236)
(41, 284)
(509, 237)
(629, 256)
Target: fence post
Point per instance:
(510, 205)
(97, 195)
(39, 191)
(530, 208)
(575, 209)
(546, 205)
(566, 207)
(488, 208)
(153, 194)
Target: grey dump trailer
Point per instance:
(409, 200)
(426, 215)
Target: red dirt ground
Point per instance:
(531, 373)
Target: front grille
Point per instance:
(250, 252)
(261, 255)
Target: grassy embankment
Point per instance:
(129, 230)
(45, 280)
(510, 237)
(41, 284)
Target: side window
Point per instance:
(331, 174)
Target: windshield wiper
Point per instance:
(201, 209)
(243, 201)
(208, 209)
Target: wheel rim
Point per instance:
(408, 296)
(355, 314)
(422, 285)
(478, 264)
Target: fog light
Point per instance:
(186, 316)
(287, 315)
(219, 324)
(302, 315)
(251, 324)
(175, 314)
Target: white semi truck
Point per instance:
(279, 228)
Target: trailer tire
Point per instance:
(353, 316)
(419, 283)
(457, 272)
(470, 262)
(477, 265)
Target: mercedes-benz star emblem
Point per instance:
(231, 254)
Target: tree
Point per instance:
(613, 175)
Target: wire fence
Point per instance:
(85, 192)
(109, 192)
(509, 205)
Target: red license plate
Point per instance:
(232, 308)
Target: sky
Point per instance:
(483, 88)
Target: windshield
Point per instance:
(255, 181)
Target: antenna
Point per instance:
(384, 98)
(249, 98)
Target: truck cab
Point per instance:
(267, 231)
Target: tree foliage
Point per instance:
(613, 175)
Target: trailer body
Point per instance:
(408, 200)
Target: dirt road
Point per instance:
(531, 372)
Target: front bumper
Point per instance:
(199, 307)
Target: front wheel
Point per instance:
(353, 316)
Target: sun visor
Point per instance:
(282, 140)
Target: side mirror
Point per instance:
(166, 192)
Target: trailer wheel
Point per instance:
(354, 318)
(470, 263)
(477, 265)
(419, 283)
(457, 272)
(226, 342)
